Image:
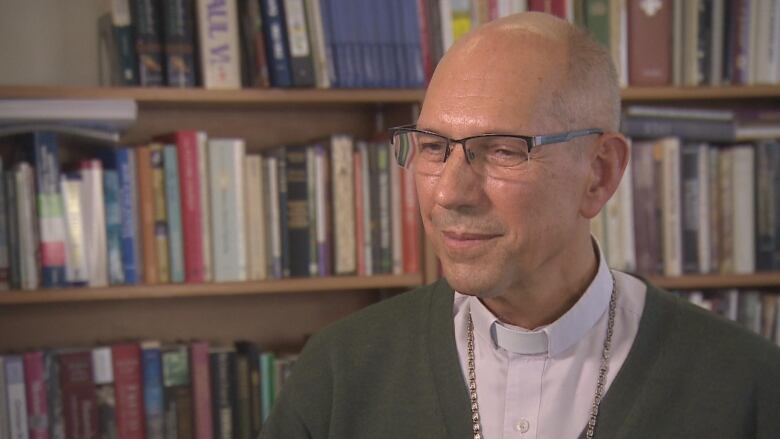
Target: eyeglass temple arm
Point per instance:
(563, 137)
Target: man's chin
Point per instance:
(470, 282)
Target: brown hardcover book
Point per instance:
(649, 42)
(146, 207)
(646, 232)
(78, 395)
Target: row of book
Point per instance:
(188, 208)
(758, 311)
(140, 390)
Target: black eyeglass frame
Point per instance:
(531, 141)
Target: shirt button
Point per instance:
(522, 425)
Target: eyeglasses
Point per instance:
(493, 155)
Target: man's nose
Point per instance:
(458, 185)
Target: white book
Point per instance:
(255, 220)
(104, 114)
(365, 178)
(396, 219)
(272, 220)
(314, 18)
(321, 208)
(102, 366)
(226, 175)
(75, 246)
(205, 203)
(703, 237)
(343, 181)
(445, 12)
(690, 37)
(671, 227)
(743, 184)
(219, 45)
(94, 216)
(16, 396)
(28, 239)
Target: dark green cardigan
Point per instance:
(392, 371)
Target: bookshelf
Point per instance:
(276, 313)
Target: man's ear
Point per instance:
(608, 162)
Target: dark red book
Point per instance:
(425, 39)
(189, 183)
(554, 7)
(201, 389)
(79, 401)
(410, 223)
(128, 390)
(35, 385)
(649, 43)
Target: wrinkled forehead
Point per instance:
(499, 81)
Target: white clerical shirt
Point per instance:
(540, 384)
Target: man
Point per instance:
(531, 335)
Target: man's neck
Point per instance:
(549, 291)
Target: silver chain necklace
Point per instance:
(600, 383)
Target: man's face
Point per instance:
(488, 233)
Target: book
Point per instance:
(646, 226)
(75, 245)
(130, 234)
(319, 43)
(35, 386)
(128, 390)
(743, 178)
(26, 219)
(311, 207)
(201, 390)
(159, 199)
(411, 224)
(94, 216)
(5, 250)
(5, 422)
(671, 226)
(148, 42)
(324, 229)
(223, 391)
(219, 44)
(278, 54)
(101, 114)
(255, 66)
(255, 218)
(16, 396)
(179, 42)
(226, 174)
(649, 41)
(103, 377)
(78, 394)
(342, 172)
(176, 391)
(252, 352)
(205, 208)
(693, 130)
(384, 206)
(273, 218)
(173, 213)
(151, 364)
(301, 57)
(690, 204)
(298, 215)
(726, 210)
(146, 210)
(117, 37)
(113, 227)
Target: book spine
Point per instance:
(254, 43)
(186, 151)
(368, 196)
(122, 32)
(201, 390)
(297, 211)
(223, 401)
(26, 217)
(766, 241)
(146, 210)
(113, 226)
(78, 395)
(714, 215)
(704, 49)
(411, 224)
(301, 59)
(744, 208)
(219, 45)
(128, 390)
(179, 31)
(322, 193)
(413, 43)
(103, 377)
(173, 213)
(359, 231)
(278, 55)
(396, 220)
(5, 422)
(226, 161)
(672, 242)
(705, 131)
(273, 218)
(75, 253)
(374, 179)
(646, 230)
(742, 29)
(5, 275)
(284, 238)
(243, 398)
(703, 182)
(14, 260)
(726, 203)
(650, 44)
(145, 15)
(343, 179)
(385, 232)
(319, 43)
(35, 385)
(205, 207)
(50, 214)
(17, 397)
(255, 220)
(94, 214)
(177, 395)
(128, 204)
(311, 208)
(161, 232)
(689, 214)
(267, 360)
(151, 360)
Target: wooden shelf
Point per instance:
(168, 291)
(173, 96)
(717, 281)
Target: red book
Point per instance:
(554, 7)
(35, 386)
(189, 183)
(201, 390)
(411, 223)
(425, 39)
(128, 390)
(650, 43)
(359, 212)
(79, 403)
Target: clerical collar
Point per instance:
(558, 336)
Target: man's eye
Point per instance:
(432, 147)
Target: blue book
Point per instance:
(113, 226)
(283, 232)
(151, 363)
(275, 32)
(384, 31)
(412, 44)
(343, 71)
(46, 161)
(399, 50)
(173, 207)
(327, 35)
(128, 205)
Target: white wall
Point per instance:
(48, 42)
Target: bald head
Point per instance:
(531, 69)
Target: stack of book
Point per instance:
(188, 208)
(140, 389)
(699, 199)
